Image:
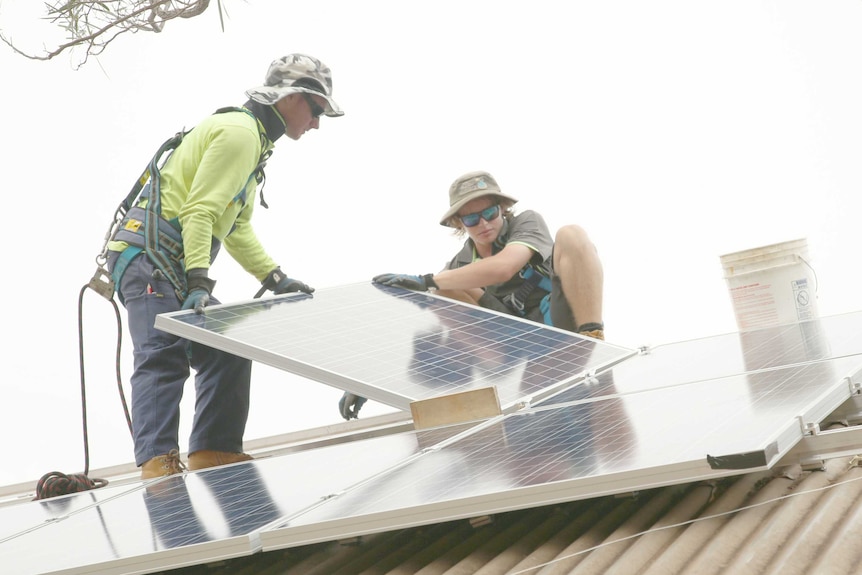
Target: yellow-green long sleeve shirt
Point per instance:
(207, 184)
(202, 183)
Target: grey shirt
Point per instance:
(529, 229)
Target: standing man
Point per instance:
(512, 264)
(204, 196)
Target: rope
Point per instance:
(56, 483)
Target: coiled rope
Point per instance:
(56, 483)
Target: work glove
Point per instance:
(199, 289)
(350, 404)
(415, 283)
(280, 283)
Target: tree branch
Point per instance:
(121, 16)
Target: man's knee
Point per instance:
(572, 245)
(573, 236)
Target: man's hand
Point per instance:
(200, 287)
(197, 299)
(415, 283)
(350, 404)
(279, 283)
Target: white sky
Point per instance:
(673, 131)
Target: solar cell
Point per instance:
(398, 346)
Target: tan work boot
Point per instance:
(594, 333)
(162, 465)
(207, 458)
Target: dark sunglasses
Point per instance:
(488, 214)
(313, 106)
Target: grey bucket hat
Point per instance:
(296, 73)
(467, 188)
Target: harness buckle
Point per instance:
(102, 283)
(514, 303)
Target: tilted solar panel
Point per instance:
(398, 346)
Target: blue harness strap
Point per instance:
(532, 280)
(125, 257)
(545, 308)
(532, 276)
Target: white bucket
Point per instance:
(771, 285)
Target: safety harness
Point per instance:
(145, 230)
(517, 300)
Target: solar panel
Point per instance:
(397, 346)
(586, 449)
(145, 530)
(725, 355)
(16, 519)
(206, 516)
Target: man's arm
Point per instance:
(471, 278)
(245, 248)
(488, 271)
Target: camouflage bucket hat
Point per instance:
(296, 73)
(467, 188)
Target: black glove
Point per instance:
(415, 283)
(350, 404)
(199, 288)
(280, 283)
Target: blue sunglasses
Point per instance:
(488, 214)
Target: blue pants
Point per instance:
(161, 368)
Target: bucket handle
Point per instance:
(816, 282)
